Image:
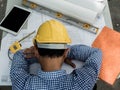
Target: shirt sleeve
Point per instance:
(87, 75)
(19, 72)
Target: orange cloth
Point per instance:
(109, 42)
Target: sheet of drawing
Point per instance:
(77, 35)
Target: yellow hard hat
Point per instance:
(52, 32)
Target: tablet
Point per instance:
(14, 20)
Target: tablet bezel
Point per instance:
(9, 30)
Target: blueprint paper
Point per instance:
(77, 35)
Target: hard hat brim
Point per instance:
(52, 46)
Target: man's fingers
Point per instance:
(29, 52)
(73, 65)
(29, 55)
(33, 48)
(68, 61)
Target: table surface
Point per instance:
(90, 36)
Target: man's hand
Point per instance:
(31, 52)
(69, 62)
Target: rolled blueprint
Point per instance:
(69, 9)
(95, 5)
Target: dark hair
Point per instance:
(51, 52)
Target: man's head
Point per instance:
(51, 41)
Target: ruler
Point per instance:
(62, 17)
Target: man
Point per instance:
(50, 50)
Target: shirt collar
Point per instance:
(51, 75)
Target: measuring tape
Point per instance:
(16, 46)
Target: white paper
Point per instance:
(69, 9)
(96, 6)
(77, 35)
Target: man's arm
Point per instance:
(87, 75)
(19, 71)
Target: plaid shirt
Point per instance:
(80, 79)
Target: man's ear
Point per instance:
(66, 52)
(36, 53)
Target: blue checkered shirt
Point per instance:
(80, 79)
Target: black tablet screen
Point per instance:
(15, 19)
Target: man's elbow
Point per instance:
(98, 52)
